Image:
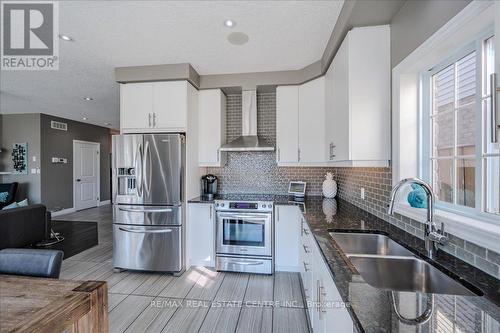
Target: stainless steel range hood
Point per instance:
(249, 141)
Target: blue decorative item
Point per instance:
(12, 205)
(4, 196)
(22, 203)
(417, 198)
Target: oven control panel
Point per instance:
(254, 206)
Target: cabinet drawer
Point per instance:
(147, 247)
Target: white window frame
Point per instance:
(473, 20)
(425, 130)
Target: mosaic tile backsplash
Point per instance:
(258, 172)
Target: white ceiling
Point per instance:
(284, 35)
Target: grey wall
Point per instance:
(20, 128)
(57, 179)
(416, 21)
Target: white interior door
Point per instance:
(86, 174)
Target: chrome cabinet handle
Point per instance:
(210, 211)
(149, 116)
(493, 108)
(154, 119)
(306, 269)
(306, 248)
(146, 231)
(306, 232)
(279, 154)
(151, 210)
(277, 213)
(332, 146)
(321, 295)
(218, 153)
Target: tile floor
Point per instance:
(201, 300)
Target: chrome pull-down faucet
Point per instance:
(432, 236)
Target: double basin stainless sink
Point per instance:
(385, 264)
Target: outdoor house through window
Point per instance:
(459, 158)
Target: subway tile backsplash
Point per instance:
(257, 172)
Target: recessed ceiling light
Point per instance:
(229, 23)
(66, 38)
(84, 118)
(88, 98)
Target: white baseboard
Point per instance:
(64, 211)
(104, 203)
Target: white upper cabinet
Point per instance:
(170, 104)
(337, 107)
(154, 107)
(358, 99)
(312, 122)
(287, 124)
(212, 127)
(136, 105)
(300, 124)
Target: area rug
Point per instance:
(78, 237)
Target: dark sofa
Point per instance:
(23, 226)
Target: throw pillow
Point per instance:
(12, 205)
(3, 196)
(23, 203)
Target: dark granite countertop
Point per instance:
(371, 308)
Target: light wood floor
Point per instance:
(201, 300)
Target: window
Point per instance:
(458, 156)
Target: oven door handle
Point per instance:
(244, 263)
(252, 217)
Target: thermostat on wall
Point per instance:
(59, 160)
(297, 189)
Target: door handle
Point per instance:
(147, 175)
(152, 210)
(146, 231)
(138, 170)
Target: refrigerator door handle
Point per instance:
(147, 173)
(138, 170)
(145, 231)
(148, 210)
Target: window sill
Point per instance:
(473, 230)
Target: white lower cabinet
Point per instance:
(330, 314)
(326, 310)
(201, 234)
(287, 236)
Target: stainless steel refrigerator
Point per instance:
(148, 227)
